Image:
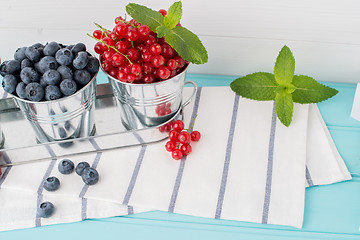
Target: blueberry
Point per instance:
(45, 209)
(20, 90)
(52, 184)
(65, 72)
(51, 48)
(90, 176)
(28, 75)
(20, 54)
(34, 92)
(66, 166)
(52, 77)
(42, 82)
(79, 47)
(26, 63)
(82, 77)
(70, 46)
(38, 45)
(12, 66)
(93, 65)
(47, 63)
(52, 92)
(3, 68)
(33, 54)
(68, 87)
(64, 56)
(62, 133)
(9, 83)
(81, 60)
(80, 167)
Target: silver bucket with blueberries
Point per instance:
(65, 118)
(148, 105)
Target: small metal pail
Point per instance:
(65, 118)
(148, 105)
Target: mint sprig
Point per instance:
(283, 86)
(185, 42)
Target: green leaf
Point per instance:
(162, 31)
(173, 15)
(187, 44)
(284, 66)
(308, 90)
(145, 15)
(259, 86)
(284, 107)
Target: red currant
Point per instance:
(150, 40)
(107, 41)
(167, 127)
(113, 72)
(173, 135)
(195, 136)
(122, 46)
(144, 31)
(117, 60)
(170, 146)
(121, 29)
(122, 76)
(149, 78)
(178, 125)
(167, 51)
(172, 64)
(163, 12)
(155, 49)
(118, 19)
(180, 61)
(147, 68)
(163, 72)
(132, 34)
(130, 78)
(158, 61)
(106, 65)
(177, 154)
(147, 57)
(108, 55)
(126, 68)
(135, 69)
(132, 54)
(184, 137)
(98, 49)
(186, 149)
(98, 34)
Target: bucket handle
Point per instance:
(192, 95)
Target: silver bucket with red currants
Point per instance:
(150, 104)
(55, 87)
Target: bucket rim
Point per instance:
(145, 84)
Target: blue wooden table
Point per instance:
(331, 212)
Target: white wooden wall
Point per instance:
(241, 36)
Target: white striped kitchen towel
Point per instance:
(247, 167)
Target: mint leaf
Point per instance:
(308, 90)
(187, 45)
(145, 15)
(284, 66)
(284, 107)
(173, 15)
(162, 31)
(259, 86)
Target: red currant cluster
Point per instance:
(132, 53)
(179, 144)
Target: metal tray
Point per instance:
(20, 145)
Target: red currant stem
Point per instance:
(127, 22)
(191, 125)
(112, 47)
(132, 44)
(103, 29)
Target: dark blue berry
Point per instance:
(28, 75)
(45, 209)
(68, 87)
(82, 77)
(51, 48)
(20, 54)
(80, 167)
(52, 77)
(93, 65)
(52, 184)
(42, 82)
(12, 66)
(26, 63)
(81, 60)
(33, 54)
(20, 90)
(90, 176)
(79, 47)
(38, 45)
(34, 92)
(66, 166)
(3, 68)
(65, 72)
(64, 56)
(47, 63)
(9, 83)
(52, 92)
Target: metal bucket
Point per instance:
(148, 105)
(65, 118)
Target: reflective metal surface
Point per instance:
(20, 144)
(146, 105)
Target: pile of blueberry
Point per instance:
(46, 73)
(89, 175)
